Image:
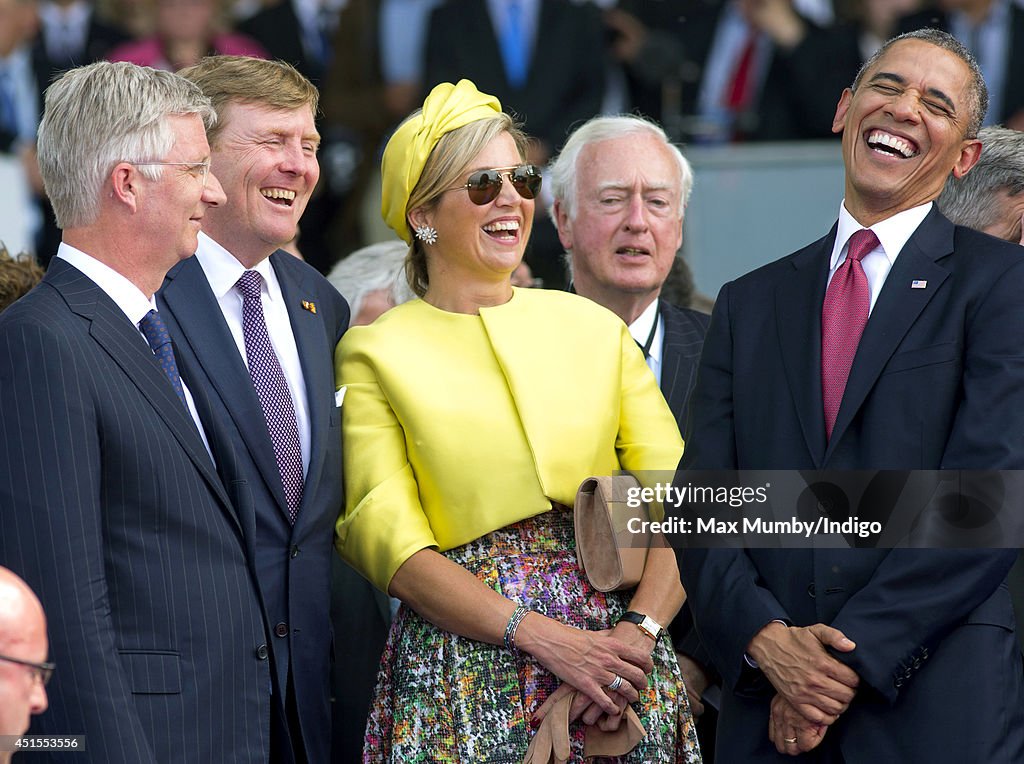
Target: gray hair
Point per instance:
(378, 266)
(967, 200)
(102, 114)
(978, 105)
(561, 174)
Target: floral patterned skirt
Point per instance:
(443, 698)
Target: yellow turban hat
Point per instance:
(447, 107)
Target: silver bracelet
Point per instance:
(513, 625)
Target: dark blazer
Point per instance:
(293, 563)
(680, 352)
(113, 512)
(565, 83)
(277, 29)
(1013, 85)
(937, 382)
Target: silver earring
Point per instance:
(427, 234)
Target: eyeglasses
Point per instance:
(202, 167)
(42, 670)
(485, 185)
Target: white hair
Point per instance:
(561, 174)
(377, 266)
(102, 114)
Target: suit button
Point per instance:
(262, 652)
(281, 629)
(811, 592)
(295, 552)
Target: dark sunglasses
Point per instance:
(485, 185)
(42, 670)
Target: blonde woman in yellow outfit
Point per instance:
(470, 417)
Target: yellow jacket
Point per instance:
(456, 425)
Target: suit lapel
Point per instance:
(798, 302)
(670, 360)
(190, 300)
(112, 331)
(316, 357)
(896, 310)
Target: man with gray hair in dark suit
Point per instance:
(111, 505)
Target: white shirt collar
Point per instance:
(223, 270)
(129, 298)
(641, 329)
(892, 233)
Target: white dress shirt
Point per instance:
(223, 271)
(892, 234)
(648, 321)
(130, 299)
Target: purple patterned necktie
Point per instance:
(843, 317)
(272, 388)
(155, 331)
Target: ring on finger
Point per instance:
(615, 684)
(789, 739)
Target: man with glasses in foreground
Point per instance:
(256, 328)
(111, 506)
(23, 670)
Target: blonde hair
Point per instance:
(444, 168)
(241, 79)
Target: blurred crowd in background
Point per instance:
(710, 71)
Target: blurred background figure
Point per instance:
(372, 279)
(374, 81)
(23, 650)
(185, 31)
(990, 198)
(19, 117)
(993, 30)
(18, 274)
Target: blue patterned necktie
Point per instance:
(513, 45)
(155, 331)
(272, 388)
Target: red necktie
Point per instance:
(740, 89)
(843, 317)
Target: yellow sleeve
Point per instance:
(648, 442)
(383, 523)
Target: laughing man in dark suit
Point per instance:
(111, 506)
(868, 655)
(277, 402)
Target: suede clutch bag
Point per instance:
(610, 549)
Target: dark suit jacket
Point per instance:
(565, 82)
(113, 512)
(277, 29)
(937, 382)
(293, 563)
(1013, 85)
(680, 352)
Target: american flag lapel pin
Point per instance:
(915, 284)
(311, 306)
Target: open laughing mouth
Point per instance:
(280, 196)
(503, 230)
(891, 145)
